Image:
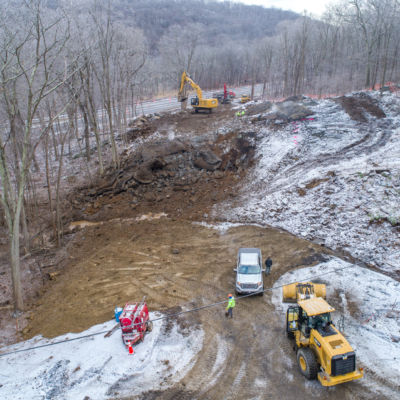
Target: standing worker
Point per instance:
(230, 306)
(268, 265)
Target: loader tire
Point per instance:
(307, 362)
(149, 326)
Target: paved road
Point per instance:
(151, 107)
(172, 104)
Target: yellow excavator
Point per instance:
(322, 351)
(198, 103)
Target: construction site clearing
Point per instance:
(313, 184)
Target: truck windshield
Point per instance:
(249, 269)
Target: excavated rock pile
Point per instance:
(292, 109)
(162, 166)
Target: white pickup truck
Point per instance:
(249, 271)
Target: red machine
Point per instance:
(134, 322)
(228, 94)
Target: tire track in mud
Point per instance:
(258, 355)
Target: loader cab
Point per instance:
(297, 320)
(314, 313)
(292, 319)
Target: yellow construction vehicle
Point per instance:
(302, 291)
(244, 98)
(198, 103)
(322, 351)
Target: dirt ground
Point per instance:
(153, 246)
(178, 263)
(172, 263)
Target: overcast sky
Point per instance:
(316, 7)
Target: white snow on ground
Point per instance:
(97, 367)
(223, 227)
(329, 179)
(372, 326)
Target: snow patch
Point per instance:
(223, 227)
(98, 367)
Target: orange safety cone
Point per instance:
(130, 349)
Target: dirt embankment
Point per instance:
(183, 176)
(360, 106)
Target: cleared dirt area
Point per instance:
(173, 263)
(181, 265)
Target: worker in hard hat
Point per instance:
(230, 306)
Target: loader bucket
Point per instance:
(320, 290)
(289, 293)
(300, 291)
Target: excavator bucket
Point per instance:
(301, 291)
(182, 97)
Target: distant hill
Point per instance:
(237, 21)
(222, 20)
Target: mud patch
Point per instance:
(358, 106)
(185, 322)
(170, 394)
(316, 182)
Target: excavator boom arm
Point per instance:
(187, 79)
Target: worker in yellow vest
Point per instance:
(230, 306)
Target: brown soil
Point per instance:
(124, 260)
(358, 106)
(316, 182)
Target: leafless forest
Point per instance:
(71, 69)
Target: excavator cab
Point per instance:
(194, 101)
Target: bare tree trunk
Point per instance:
(16, 267)
(25, 231)
(86, 131)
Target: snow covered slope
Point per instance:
(98, 367)
(330, 179)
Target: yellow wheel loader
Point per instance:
(198, 103)
(322, 351)
(245, 98)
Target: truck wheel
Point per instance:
(307, 362)
(149, 326)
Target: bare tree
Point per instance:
(30, 63)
